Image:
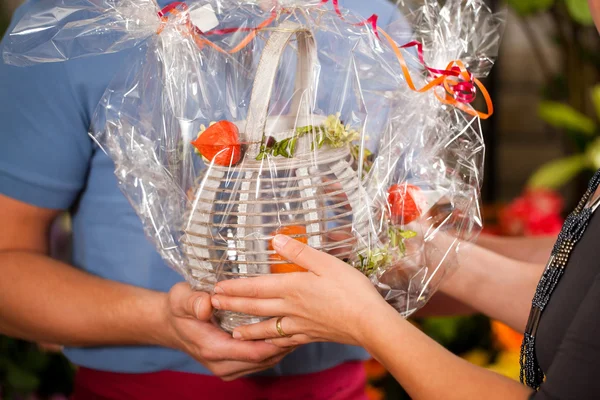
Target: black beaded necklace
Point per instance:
(572, 231)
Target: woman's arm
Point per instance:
(495, 285)
(412, 357)
(535, 250)
(491, 283)
(335, 302)
(532, 252)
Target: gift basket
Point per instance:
(234, 121)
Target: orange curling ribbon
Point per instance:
(198, 36)
(456, 79)
(250, 37)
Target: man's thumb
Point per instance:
(186, 302)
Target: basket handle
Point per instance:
(267, 71)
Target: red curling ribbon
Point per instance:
(336, 6)
(172, 6)
(464, 91)
(227, 31)
(372, 20)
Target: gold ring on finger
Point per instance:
(280, 329)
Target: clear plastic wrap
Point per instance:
(238, 120)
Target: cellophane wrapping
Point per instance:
(233, 121)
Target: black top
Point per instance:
(568, 338)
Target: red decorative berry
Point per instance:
(270, 142)
(220, 143)
(401, 200)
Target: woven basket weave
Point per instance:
(237, 210)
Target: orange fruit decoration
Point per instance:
(288, 231)
(220, 143)
(402, 204)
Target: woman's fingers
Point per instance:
(294, 341)
(303, 255)
(266, 329)
(250, 306)
(263, 287)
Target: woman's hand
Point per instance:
(331, 302)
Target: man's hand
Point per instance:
(74, 308)
(189, 329)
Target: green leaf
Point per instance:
(408, 234)
(596, 99)
(402, 248)
(284, 147)
(321, 139)
(580, 11)
(564, 116)
(556, 173)
(528, 7)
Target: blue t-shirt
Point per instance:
(48, 160)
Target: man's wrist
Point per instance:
(153, 320)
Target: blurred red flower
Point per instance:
(535, 212)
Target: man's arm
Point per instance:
(44, 300)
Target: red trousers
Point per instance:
(345, 382)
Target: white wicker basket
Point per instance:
(237, 210)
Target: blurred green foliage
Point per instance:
(571, 98)
(557, 173)
(25, 369)
(578, 9)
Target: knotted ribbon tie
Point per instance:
(459, 84)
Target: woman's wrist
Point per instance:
(372, 321)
